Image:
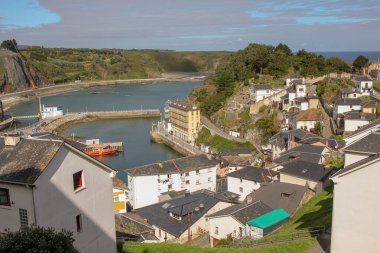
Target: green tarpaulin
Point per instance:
(269, 219)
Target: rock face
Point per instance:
(16, 74)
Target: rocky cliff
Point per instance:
(16, 74)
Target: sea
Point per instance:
(350, 56)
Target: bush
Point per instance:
(37, 239)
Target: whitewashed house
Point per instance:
(362, 132)
(52, 184)
(231, 222)
(182, 219)
(261, 91)
(362, 148)
(146, 183)
(344, 105)
(363, 85)
(355, 120)
(301, 103)
(49, 111)
(306, 120)
(304, 173)
(294, 79)
(300, 88)
(248, 179)
(355, 227)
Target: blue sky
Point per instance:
(323, 25)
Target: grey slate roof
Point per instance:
(253, 174)
(301, 100)
(280, 195)
(159, 214)
(369, 144)
(370, 104)
(307, 170)
(357, 164)
(262, 87)
(300, 134)
(362, 79)
(348, 101)
(25, 162)
(330, 142)
(359, 116)
(183, 105)
(132, 224)
(50, 136)
(244, 212)
(180, 165)
(305, 152)
(280, 139)
(235, 151)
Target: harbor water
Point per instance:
(134, 133)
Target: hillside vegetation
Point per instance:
(67, 64)
(256, 60)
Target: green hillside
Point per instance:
(66, 64)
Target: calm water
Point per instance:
(139, 150)
(350, 56)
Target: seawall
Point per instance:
(59, 124)
(158, 138)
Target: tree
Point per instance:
(336, 161)
(37, 239)
(10, 45)
(360, 62)
(318, 128)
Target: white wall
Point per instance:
(57, 204)
(234, 185)
(350, 158)
(355, 226)
(340, 109)
(307, 125)
(261, 94)
(227, 225)
(20, 197)
(351, 125)
(144, 190)
(300, 181)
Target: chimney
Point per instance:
(11, 139)
(249, 199)
(201, 206)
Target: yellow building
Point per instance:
(185, 119)
(120, 192)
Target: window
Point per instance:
(187, 174)
(187, 182)
(169, 176)
(209, 179)
(241, 189)
(216, 230)
(159, 233)
(23, 217)
(78, 219)
(197, 172)
(4, 197)
(170, 187)
(241, 180)
(197, 182)
(78, 180)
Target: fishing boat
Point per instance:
(100, 151)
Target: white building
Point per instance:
(52, 184)
(51, 111)
(248, 179)
(314, 175)
(356, 205)
(290, 81)
(363, 85)
(362, 148)
(301, 103)
(182, 219)
(346, 105)
(306, 120)
(148, 182)
(261, 91)
(300, 89)
(355, 120)
(231, 221)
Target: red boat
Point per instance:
(99, 151)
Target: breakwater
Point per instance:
(59, 124)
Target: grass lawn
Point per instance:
(292, 247)
(219, 142)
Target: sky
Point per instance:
(195, 25)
